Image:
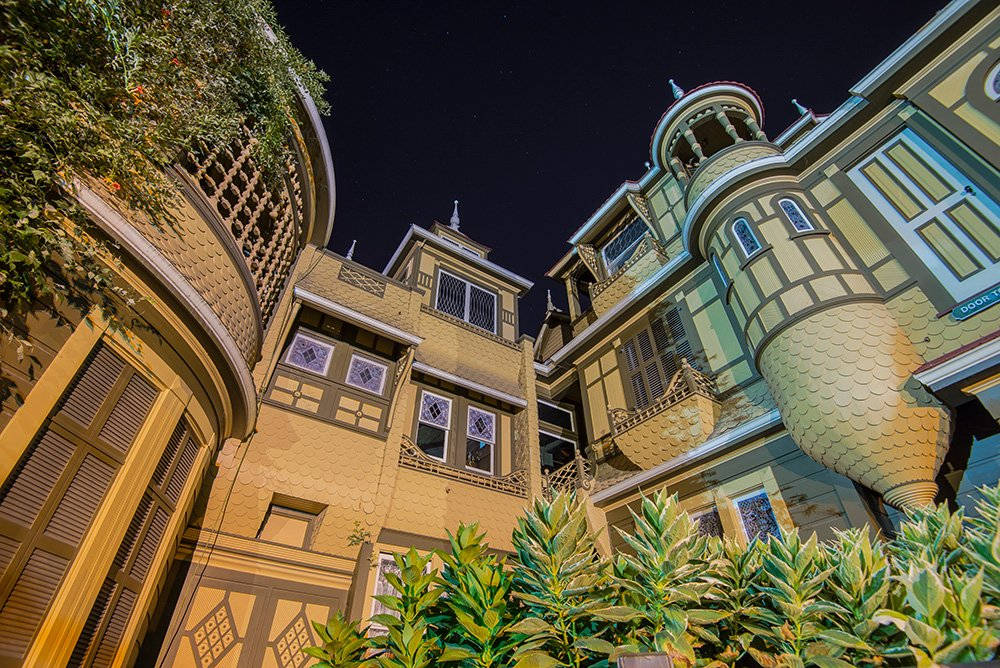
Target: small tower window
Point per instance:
(795, 215)
(617, 251)
(993, 82)
(719, 270)
(745, 236)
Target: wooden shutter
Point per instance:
(51, 497)
(109, 615)
(651, 357)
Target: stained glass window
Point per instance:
(309, 354)
(366, 374)
(481, 432)
(718, 268)
(795, 215)
(745, 236)
(617, 251)
(482, 425)
(993, 83)
(709, 523)
(757, 515)
(435, 410)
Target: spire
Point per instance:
(350, 251)
(799, 108)
(549, 306)
(454, 217)
(676, 90)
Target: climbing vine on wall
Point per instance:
(115, 91)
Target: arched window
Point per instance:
(993, 82)
(718, 268)
(796, 216)
(745, 236)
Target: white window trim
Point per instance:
(493, 443)
(746, 254)
(749, 495)
(627, 251)
(801, 213)
(385, 373)
(301, 334)
(990, 93)
(447, 430)
(572, 418)
(468, 299)
(575, 442)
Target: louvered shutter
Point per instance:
(652, 357)
(109, 615)
(52, 495)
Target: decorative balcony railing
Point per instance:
(265, 224)
(649, 256)
(568, 477)
(412, 457)
(682, 417)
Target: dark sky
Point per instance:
(532, 113)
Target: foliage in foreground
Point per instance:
(928, 597)
(116, 92)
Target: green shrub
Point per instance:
(925, 598)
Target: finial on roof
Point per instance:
(454, 217)
(799, 108)
(549, 306)
(648, 165)
(350, 251)
(676, 90)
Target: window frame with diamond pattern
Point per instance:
(466, 300)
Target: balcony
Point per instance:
(679, 420)
(568, 478)
(717, 164)
(412, 457)
(648, 257)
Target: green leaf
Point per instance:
(595, 645)
(456, 653)
(617, 613)
(530, 626)
(537, 660)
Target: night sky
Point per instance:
(532, 114)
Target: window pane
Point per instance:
(451, 295)
(366, 374)
(431, 440)
(554, 415)
(482, 308)
(556, 452)
(481, 425)
(309, 354)
(386, 564)
(435, 410)
(619, 249)
(479, 455)
(795, 216)
(757, 516)
(744, 235)
(709, 524)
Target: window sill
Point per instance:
(458, 322)
(808, 233)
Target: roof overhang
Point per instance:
(362, 320)
(418, 233)
(485, 390)
(963, 366)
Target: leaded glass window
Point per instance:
(993, 83)
(481, 432)
(795, 215)
(757, 515)
(434, 422)
(366, 374)
(466, 301)
(309, 354)
(718, 269)
(617, 251)
(709, 523)
(745, 236)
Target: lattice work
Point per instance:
(573, 475)
(293, 639)
(361, 280)
(412, 457)
(686, 382)
(214, 636)
(265, 224)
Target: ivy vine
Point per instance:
(118, 90)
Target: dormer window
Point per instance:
(617, 251)
(745, 237)
(467, 301)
